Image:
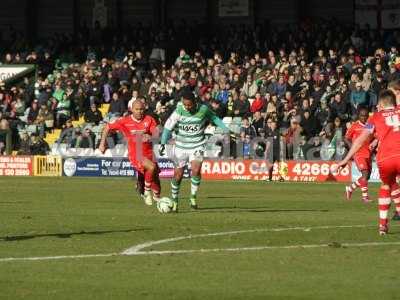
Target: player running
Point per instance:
(362, 158)
(138, 130)
(189, 122)
(385, 124)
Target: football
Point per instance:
(164, 205)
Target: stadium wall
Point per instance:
(299, 171)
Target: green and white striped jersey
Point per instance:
(189, 128)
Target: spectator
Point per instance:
(38, 146)
(358, 98)
(258, 122)
(44, 120)
(241, 106)
(258, 104)
(67, 134)
(5, 138)
(93, 116)
(247, 128)
(63, 110)
(117, 106)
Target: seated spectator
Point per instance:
(293, 138)
(358, 98)
(5, 138)
(44, 120)
(309, 124)
(63, 110)
(85, 139)
(258, 122)
(219, 108)
(67, 134)
(33, 112)
(38, 146)
(247, 128)
(339, 107)
(258, 104)
(241, 107)
(117, 106)
(24, 144)
(93, 116)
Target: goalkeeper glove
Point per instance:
(161, 150)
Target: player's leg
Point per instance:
(384, 205)
(140, 184)
(395, 195)
(196, 160)
(175, 187)
(387, 173)
(156, 184)
(149, 171)
(195, 182)
(181, 157)
(361, 182)
(395, 192)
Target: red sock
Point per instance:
(396, 196)
(384, 205)
(156, 186)
(148, 180)
(140, 183)
(364, 187)
(355, 184)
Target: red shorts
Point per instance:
(138, 163)
(363, 163)
(389, 169)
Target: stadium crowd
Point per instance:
(300, 84)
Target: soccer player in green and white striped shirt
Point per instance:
(189, 122)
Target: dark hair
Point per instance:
(387, 97)
(394, 84)
(188, 95)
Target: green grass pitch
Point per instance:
(47, 217)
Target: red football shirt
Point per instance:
(385, 125)
(353, 133)
(133, 131)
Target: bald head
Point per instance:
(136, 103)
(137, 108)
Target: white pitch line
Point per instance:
(169, 252)
(137, 250)
(371, 244)
(57, 257)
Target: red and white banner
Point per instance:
(16, 165)
(304, 171)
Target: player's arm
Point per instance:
(217, 121)
(349, 136)
(166, 134)
(116, 125)
(153, 130)
(373, 144)
(357, 144)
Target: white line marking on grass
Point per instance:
(57, 257)
(165, 252)
(138, 249)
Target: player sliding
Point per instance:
(189, 120)
(385, 124)
(138, 129)
(362, 158)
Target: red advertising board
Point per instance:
(304, 171)
(16, 165)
